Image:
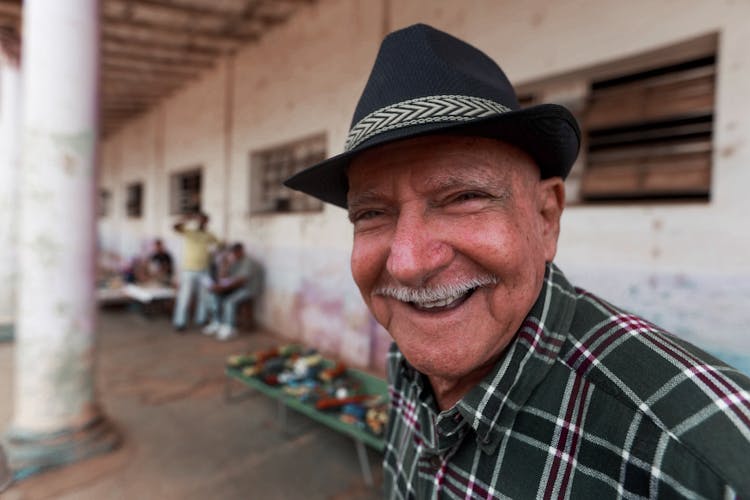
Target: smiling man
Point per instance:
(437, 253)
(506, 381)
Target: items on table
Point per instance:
(305, 375)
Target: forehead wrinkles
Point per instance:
(432, 164)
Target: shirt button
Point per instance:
(435, 462)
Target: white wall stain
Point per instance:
(708, 310)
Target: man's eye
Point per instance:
(364, 215)
(467, 196)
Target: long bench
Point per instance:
(369, 384)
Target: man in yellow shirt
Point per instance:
(195, 265)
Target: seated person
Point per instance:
(135, 271)
(160, 268)
(242, 281)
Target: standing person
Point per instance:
(195, 264)
(243, 281)
(507, 381)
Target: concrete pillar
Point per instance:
(10, 125)
(56, 417)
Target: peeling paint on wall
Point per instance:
(708, 310)
(318, 304)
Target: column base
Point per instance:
(7, 332)
(6, 477)
(30, 453)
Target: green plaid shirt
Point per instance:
(588, 401)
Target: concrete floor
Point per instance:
(181, 440)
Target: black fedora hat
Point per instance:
(425, 81)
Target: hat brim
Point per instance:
(548, 133)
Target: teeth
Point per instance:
(438, 303)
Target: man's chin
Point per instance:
(435, 366)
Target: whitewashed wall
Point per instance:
(684, 265)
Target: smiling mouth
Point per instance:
(444, 304)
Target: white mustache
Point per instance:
(435, 293)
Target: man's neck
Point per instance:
(449, 391)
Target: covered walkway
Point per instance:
(181, 440)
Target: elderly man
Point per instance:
(506, 381)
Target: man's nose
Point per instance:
(417, 251)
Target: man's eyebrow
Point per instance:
(446, 181)
(449, 180)
(363, 198)
(366, 196)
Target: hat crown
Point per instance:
(420, 61)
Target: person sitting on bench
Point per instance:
(242, 282)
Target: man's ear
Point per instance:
(551, 205)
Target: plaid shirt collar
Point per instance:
(490, 407)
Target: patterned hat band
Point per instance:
(430, 109)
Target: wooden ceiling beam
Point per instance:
(127, 107)
(154, 70)
(191, 10)
(233, 21)
(120, 94)
(185, 56)
(11, 7)
(9, 22)
(113, 123)
(111, 126)
(176, 38)
(124, 113)
(113, 91)
(161, 44)
(131, 100)
(119, 115)
(124, 110)
(133, 97)
(119, 120)
(150, 26)
(122, 78)
(118, 88)
(10, 14)
(128, 87)
(149, 87)
(148, 60)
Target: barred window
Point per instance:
(647, 125)
(270, 167)
(134, 200)
(649, 134)
(185, 192)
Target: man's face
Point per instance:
(451, 236)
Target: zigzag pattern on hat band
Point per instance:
(430, 109)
